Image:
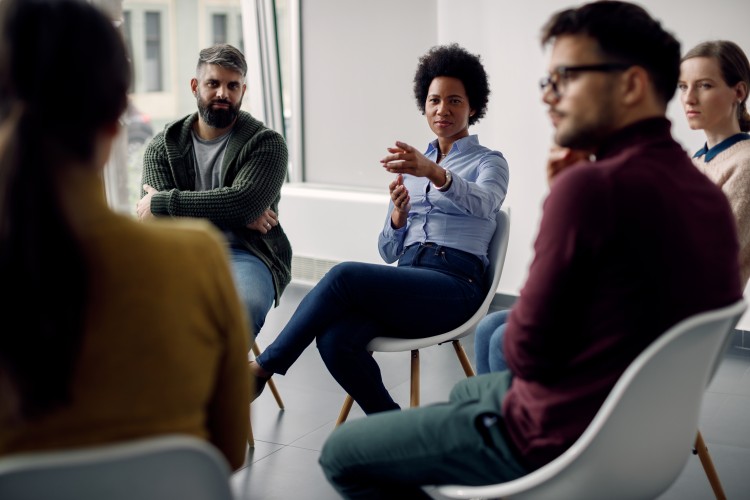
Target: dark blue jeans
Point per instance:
(432, 290)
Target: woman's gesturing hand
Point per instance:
(401, 202)
(404, 159)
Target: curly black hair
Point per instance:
(454, 61)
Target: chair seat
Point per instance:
(392, 344)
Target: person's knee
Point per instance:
(340, 273)
(489, 323)
(330, 456)
(496, 340)
(483, 332)
(496, 319)
(331, 349)
(461, 390)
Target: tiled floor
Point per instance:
(284, 463)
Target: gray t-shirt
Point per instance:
(209, 155)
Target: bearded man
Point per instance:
(223, 165)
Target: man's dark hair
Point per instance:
(454, 61)
(625, 33)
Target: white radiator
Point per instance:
(327, 225)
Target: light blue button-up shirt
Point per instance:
(463, 217)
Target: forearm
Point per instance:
(230, 207)
(391, 239)
(223, 207)
(156, 171)
(482, 197)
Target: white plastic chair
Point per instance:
(497, 249)
(153, 468)
(639, 440)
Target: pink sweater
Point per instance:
(730, 170)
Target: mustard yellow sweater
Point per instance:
(166, 341)
(730, 170)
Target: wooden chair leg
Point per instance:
(275, 392)
(271, 384)
(463, 358)
(250, 438)
(713, 477)
(345, 409)
(414, 402)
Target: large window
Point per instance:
(127, 34)
(219, 22)
(153, 44)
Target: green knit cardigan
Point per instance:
(253, 171)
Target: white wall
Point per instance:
(359, 62)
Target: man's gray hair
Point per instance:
(223, 55)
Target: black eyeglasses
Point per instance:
(559, 78)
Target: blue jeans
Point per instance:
(254, 285)
(433, 290)
(394, 454)
(488, 343)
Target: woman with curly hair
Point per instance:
(440, 220)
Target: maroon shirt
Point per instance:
(628, 246)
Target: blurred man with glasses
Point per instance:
(632, 240)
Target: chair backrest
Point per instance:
(639, 440)
(496, 252)
(162, 467)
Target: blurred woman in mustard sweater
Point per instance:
(123, 329)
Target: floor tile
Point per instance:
(261, 450)
(290, 473)
(732, 464)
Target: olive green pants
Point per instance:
(390, 455)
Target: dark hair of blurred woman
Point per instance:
(64, 77)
